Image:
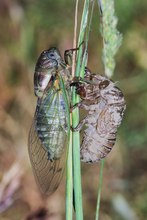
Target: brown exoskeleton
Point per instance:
(105, 105)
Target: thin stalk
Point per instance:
(75, 122)
(84, 23)
(69, 165)
(84, 61)
(99, 190)
(89, 26)
(69, 174)
(69, 182)
(75, 38)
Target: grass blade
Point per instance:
(69, 182)
(99, 190)
(75, 122)
(69, 165)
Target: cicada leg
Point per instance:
(68, 54)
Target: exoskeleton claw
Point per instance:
(72, 107)
(74, 129)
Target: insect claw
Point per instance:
(72, 107)
(76, 81)
(74, 129)
(68, 54)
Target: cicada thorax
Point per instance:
(103, 118)
(49, 63)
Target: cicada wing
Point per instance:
(48, 174)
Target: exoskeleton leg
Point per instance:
(82, 104)
(86, 90)
(80, 125)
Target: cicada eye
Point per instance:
(104, 84)
(51, 55)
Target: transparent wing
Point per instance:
(48, 173)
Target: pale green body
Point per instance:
(51, 123)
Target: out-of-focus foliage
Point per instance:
(27, 28)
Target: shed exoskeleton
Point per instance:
(105, 107)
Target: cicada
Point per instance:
(105, 104)
(50, 128)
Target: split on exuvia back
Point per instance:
(48, 136)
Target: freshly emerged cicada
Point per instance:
(50, 128)
(105, 104)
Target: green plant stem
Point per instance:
(77, 171)
(83, 26)
(99, 190)
(69, 182)
(76, 165)
(69, 165)
(75, 122)
(84, 61)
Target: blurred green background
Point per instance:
(26, 28)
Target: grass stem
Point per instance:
(99, 190)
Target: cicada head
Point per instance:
(46, 68)
(49, 59)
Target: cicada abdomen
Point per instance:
(48, 134)
(105, 105)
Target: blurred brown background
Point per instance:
(26, 28)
